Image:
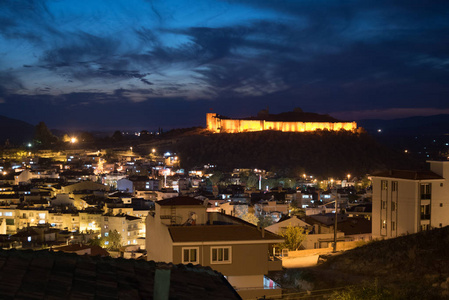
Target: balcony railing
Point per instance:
(425, 196)
(425, 216)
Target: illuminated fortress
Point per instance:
(265, 121)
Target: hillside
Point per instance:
(322, 153)
(16, 131)
(409, 267)
(433, 125)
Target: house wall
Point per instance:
(156, 231)
(247, 259)
(254, 281)
(84, 185)
(125, 184)
(407, 201)
(440, 195)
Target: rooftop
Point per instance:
(215, 233)
(57, 275)
(181, 200)
(408, 174)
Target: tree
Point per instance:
(117, 136)
(293, 237)
(114, 240)
(295, 210)
(252, 181)
(96, 242)
(265, 221)
(250, 218)
(43, 135)
(216, 178)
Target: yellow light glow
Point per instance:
(216, 124)
(153, 150)
(73, 140)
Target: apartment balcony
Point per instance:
(425, 217)
(426, 196)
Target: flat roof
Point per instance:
(408, 174)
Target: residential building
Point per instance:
(127, 226)
(181, 231)
(406, 202)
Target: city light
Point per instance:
(73, 140)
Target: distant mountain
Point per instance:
(435, 125)
(16, 131)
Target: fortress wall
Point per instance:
(251, 125)
(231, 126)
(216, 124)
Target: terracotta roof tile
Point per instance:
(58, 275)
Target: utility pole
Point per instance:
(335, 227)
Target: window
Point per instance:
(384, 224)
(221, 255)
(190, 255)
(425, 191)
(393, 206)
(441, 204)
(8, 214)
(425, 212)
(384, 185)
(106, 234)
(393, 226)
(394, 186)
(29, 239)
(106, 243)
(384, 204)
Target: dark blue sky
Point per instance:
(143, 64)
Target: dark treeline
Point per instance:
(322, 153)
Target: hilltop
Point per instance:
(322, 153)
(414, 266)
(15, 131)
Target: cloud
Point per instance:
(390, 113)
(323, 56)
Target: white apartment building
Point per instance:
(406, 202)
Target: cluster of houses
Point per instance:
(164, 214)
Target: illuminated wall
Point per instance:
(216, 124)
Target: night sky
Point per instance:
(137, 64)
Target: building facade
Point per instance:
(406, 202)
